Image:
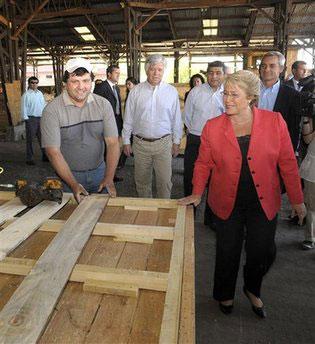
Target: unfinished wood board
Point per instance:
(143, 202)
(75, 312)
(170, 322)
(25, 315)
(118, 230)
(187, 314)
(88, 317)
(24, 226)
(148, 316)
(104, 287)
(14, 102)
(83, 272)
(11, 208)
(115, 318)
(7, 195)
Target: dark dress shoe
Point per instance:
(259, 311)
(226, 309)
(118, 179)
(30, 162)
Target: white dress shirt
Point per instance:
(32, 104)
(152, 112)
(201, 105)
(268, 96)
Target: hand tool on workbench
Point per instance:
(31, 193)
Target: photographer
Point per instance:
(307, 171)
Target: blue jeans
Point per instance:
(90, 180)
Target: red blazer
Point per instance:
(270, 151)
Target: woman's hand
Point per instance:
(300, 211)
(192, 199)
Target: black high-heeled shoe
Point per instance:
(226, 309)
(260, 311)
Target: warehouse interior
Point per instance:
(38, 37)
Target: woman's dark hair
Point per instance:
(132, 79)
(196, 76)
(78, 72)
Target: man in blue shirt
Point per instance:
(32, 106)
(278, 97)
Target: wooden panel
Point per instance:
(143, 202)
(28, 310)
(23, 227)
(119, 230)
(7, 195)
(9, 209)
(104, 287)
(187, 315)
(148, 317)
(14, 100)
(115, 318)
(170, 322)
(76, 311)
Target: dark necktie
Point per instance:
(117, 100)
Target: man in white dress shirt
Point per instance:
(203, 103)
(153, 117)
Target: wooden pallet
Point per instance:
(107, 271)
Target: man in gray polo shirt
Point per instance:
(74, 127)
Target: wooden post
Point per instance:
(24, 60)
(176, 65)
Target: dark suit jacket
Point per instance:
(290, 83)
(289, 105)
(105, 90)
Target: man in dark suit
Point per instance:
(299, 70)
(278, 97)
(109, 89)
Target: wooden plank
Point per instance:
(7, 195)
(11, 208)
(26, 314)
(187, 315)
(139, 207)
(76, 311)
(148, 317)
(24, 226)
(115, 318)
(118, 230)
(143, 202)
(103, 287)
(170, 322)
(83, 272)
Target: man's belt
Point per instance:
(151, 140)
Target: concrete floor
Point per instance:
(288, 290)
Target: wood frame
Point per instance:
(176, 327)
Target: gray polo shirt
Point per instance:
(79, 132)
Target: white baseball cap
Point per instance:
(76, 63)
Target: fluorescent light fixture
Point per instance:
(88, 37)
(82, 29)
(210, 32)
(206, 23)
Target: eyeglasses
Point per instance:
(232, 95)
(34, 82)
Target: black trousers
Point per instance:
(190, 157)
(251, 224)
(32, 128)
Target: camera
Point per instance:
(308, 95)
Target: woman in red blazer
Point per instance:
(244, 149)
